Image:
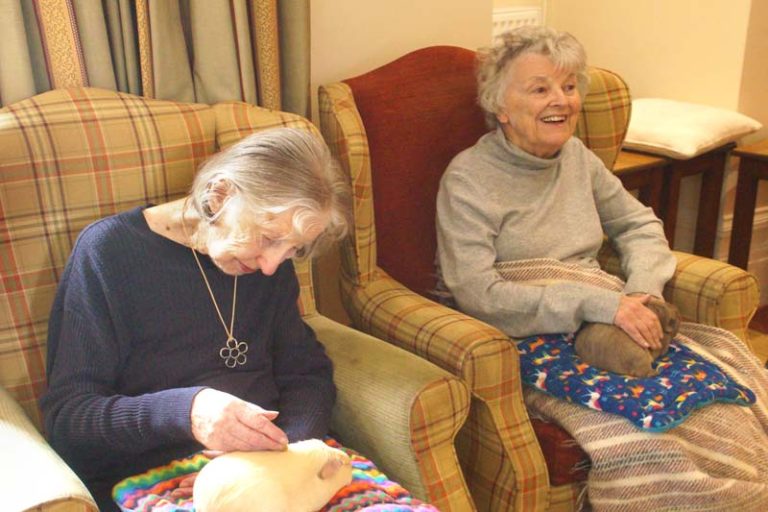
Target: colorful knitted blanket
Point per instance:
(369, 491)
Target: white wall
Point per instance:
(350, 37)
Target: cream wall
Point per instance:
(689, 50)
(753, 98)
(350, 37)
(713, 52)
(517, 3)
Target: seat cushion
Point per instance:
(67, 158)
(566, 461)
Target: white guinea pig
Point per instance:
(303, 478)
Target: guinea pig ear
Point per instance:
(330, 468)
(673, 319)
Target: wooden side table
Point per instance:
(752, 168)
(711, 167)
(644, 173)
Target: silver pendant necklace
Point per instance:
(233, 352)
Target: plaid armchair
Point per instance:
(69, 157)
(394, 130)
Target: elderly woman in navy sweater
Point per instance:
(175, 327)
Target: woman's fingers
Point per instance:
(223, 422)
(638, 321)
(259, 421)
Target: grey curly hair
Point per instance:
(278, 170)
(565, 51)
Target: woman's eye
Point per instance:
(569, 87)
(540, 90)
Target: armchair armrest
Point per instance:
(500, 433)
(35, 477)
(400, 410)
(706, 291)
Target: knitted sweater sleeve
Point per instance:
(466, 229)
(303, 372)
(85, 418)
(635, 231)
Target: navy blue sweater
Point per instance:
(133, 336)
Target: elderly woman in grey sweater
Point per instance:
(531, 190)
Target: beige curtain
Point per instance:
(186, 50)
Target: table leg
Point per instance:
(743, 213)
(709, 206)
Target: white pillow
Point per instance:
(683, 130)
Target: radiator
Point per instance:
(506, 18)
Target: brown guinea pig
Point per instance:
(608, 347)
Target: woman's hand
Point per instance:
(638, 321)
(221, 421)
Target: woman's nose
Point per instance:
(268, 264)
(271, 259)
(558, 96)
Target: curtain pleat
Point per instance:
(186, 50)
(17, 80)
(61, 43)
(267, 54)
(293, 20)
(94, 43)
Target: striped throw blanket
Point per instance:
(716, 460)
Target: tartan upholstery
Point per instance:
(56, 150)
(377, 124)
(68, 158)
(71, 156)
(605, 113)
(706, 291)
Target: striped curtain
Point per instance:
(201, 51)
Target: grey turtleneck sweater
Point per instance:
(499, 203)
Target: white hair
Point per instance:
(564, 50)
(274, 171)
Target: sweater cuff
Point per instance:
(644, 283)
(602, 306)
(174, 420)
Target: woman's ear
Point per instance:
(217, 194)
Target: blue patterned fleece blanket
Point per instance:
(685, 382)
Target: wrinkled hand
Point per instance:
(187, 484)
(221, 421)
(184, 490)
(638, 321)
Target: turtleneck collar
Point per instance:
(519, 158)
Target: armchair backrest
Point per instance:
(71, 156)
(418, 112)
(397, 127)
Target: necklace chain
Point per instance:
(233, 352)
(215, 304)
